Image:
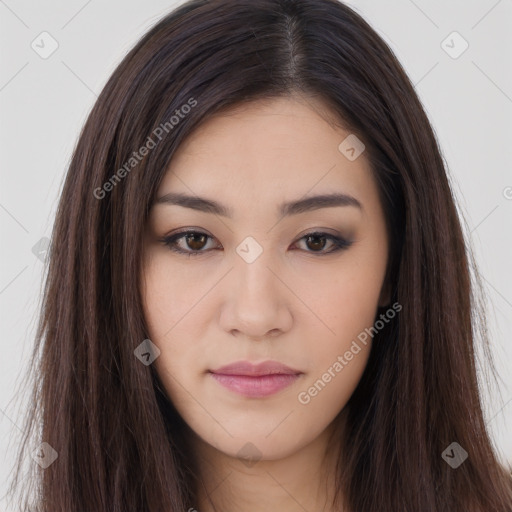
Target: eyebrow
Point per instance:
(286, 209)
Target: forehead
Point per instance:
(267, 150)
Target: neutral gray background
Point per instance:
(44, 103)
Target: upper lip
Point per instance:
(248, 368)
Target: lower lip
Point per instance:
(255, 387)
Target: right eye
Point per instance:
(193, 240)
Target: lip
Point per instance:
(255, 380)
(249, 369)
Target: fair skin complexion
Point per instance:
(296, 303)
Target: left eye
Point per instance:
(196, 241)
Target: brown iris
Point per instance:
(198, 241)
(316, 245)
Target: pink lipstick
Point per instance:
(255, 380)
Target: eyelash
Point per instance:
(170, 241)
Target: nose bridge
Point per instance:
(252, 270)
(255, 304)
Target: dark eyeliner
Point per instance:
(169, 241)
(338, 242)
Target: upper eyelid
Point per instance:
(181, 234)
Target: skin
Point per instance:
(296, 303)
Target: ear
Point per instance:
(385, 294)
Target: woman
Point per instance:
(259, 294)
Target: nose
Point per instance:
(256, 302)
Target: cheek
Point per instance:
(171, 299)
(324, 395)
(340, 344)
(339, 360)
(342, 299)
(169, 295)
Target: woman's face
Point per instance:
(252, 286)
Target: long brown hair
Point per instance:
(120, 443)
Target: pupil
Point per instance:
(316, 237)
(194, 240)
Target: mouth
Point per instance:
(256, 387)
(255, 380)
